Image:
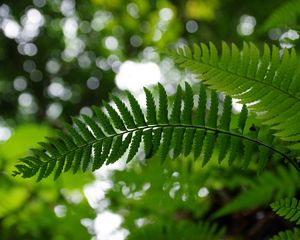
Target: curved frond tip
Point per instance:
(91, 142)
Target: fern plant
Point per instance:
(293, 234)
(269, 82)
(93, 142)
(264, 189)
(289, 208)
(284, 16)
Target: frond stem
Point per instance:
(206, 128)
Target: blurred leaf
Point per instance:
(24, 137)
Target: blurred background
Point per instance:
(59, 57)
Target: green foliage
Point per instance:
(168, 198)
(11, 153)
(284, 16)
(270, 185)
(96, 141)
(27, 209)
(182, 230)
(288, 208)
(59, 57)
(293, 234)
(268, 81)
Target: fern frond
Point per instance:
(270, 82)
(96, 141)
(288, 208)
(283, 16)
(293, 234)
(266, 187)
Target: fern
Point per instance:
(293, 234)
(266, 187)
(90, 143)
(289, 208)
(270, 82)
(283, 16)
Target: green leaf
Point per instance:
(114, 154)
(116, 119)
(151, 109)
(147, 139)
(77, 160)
(87, 135)
(178, 141)
(287, 208)
(135, 144)
(98, 161)
(188, 141)
(96, 130)
(213, 114)
(86, 158)
(103, 120)
(126, 115)
(186, 117)
(136, 110)
(165, 146)
(176, 110)
(78, 139)
(201, 109)
(163, 105)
